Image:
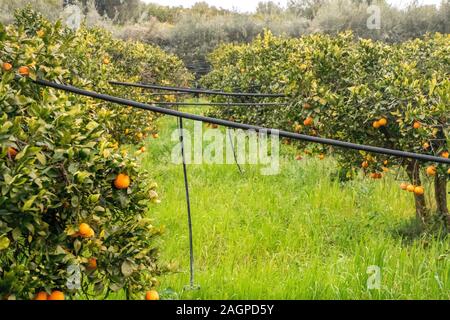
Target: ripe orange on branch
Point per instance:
(431, 171)
(122, 181)
(85, 230)
(382, 122)
(376, 175)
(92, 264)
(7, 66)
(419, 190)
(56, 295)
(152, 295)
(24, 71)
(416, 125)
(42, 295)
(403, 185)
(308, 121)
(410, 188)
(12, 152)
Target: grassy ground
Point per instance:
(296, 235)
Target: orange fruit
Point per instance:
(86, 231)
(416, 125)
(403, 185)
(445, 154)
(92, 264)
(298, 157)
(410, 188)
(56, 295)
(385, 162)
(431, 171)
(308, 121)
(448, 171)
(122, 181)
(385, 169)
(142, 149)
(90, 233)
(376, 124)
(42, 295)
(12, 152)
(365, 164)
(382, 122)
(419, 190)
(152, 295)
(155, 136)
(106, 61)
(321, 156)
(24, 71)
(426, 145)
(7, 66)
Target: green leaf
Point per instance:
(4, 243)
(27, 205)
(77, 245)
(127, 268)
(16, 233)
(41, 158)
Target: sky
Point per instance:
(250, 5)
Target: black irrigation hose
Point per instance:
(231, 124)
(199, 91)
(221, 104)
(188, 203)
(167, 94)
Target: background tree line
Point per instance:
(193, 33)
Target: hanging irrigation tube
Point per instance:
(198, 91)
(188, 203)
(222, 104)
(236, 125)
(168, 94)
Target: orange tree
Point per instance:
(129, 61)
(73, 209)
(394, 96)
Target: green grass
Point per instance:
(296, 235)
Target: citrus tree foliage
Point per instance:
(69, 199)
(363, 91)
(128, 61)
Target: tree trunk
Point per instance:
(422, 212)
(440, 180)
(440, 190)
